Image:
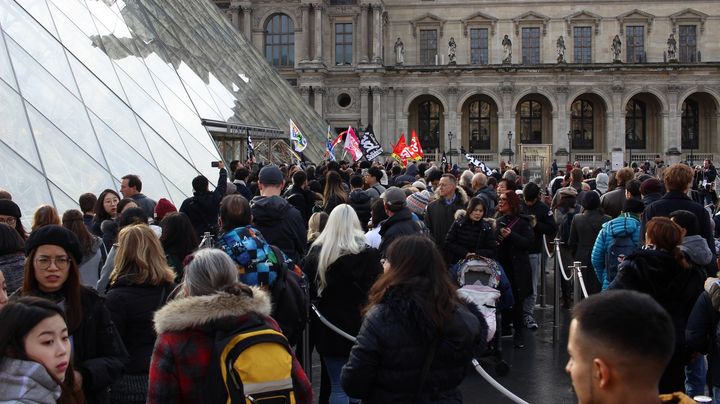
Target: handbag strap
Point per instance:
(429, 355)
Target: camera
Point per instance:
(215, 164)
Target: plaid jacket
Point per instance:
(184, 349)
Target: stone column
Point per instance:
(317, 9)
(388, 117)
(305, 93)
(451, 124)
(234, 11)
(319, 100)
(609, 135)
(617, 130)
(247, 22)
(672, 122)
(377, 93)
(561, 121)
(506, 119)
(303, 44)
(400, 118)
(377, 33)
(364, 118)
(363, 33)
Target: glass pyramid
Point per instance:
(91, 90)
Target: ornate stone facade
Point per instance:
(584, 102)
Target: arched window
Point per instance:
(531, 122)
(429, 124)
(280, 41)
(635, 123)
(582, 124)
(479, 125)
(690, 125)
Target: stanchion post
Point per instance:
(576, 281)
(305, 340)
(543, 279)
(558, 275)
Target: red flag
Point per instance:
(398, 150)
(415, 147)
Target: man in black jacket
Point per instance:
(544, 225)
(400, 222)
(299, 196)
(202, 207)
(278, 221)
(360, 200)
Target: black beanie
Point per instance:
(9, 208)
(55, 235)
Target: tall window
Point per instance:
(479, 115)
(690, 125)
(280, 41)
(428, 46)
(479, 46)
(429, 124)
(343, 44)
(530, 122)
(582, 52)
(582, 124)
(531, 45)
(688, 43)
(635, 119)
(635, 38)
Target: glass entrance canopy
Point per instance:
(92, 90)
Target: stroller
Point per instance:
(483, 282)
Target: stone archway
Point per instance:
(533, 120)
(644, 124)
(479, 125)
(698, 126)
(426, 116)
(588, 123)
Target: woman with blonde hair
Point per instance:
(45, 215)
(140, 283)
(341, 268)
(316, 225)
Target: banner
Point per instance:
(298, 139)
(401, 152)
(250, 147)
(415, 147)
(477, 163)
(370, 145)
(352, 145)
(330, 145)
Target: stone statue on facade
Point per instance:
(507, 50)
(561, 49)
(399, 52)
(672, 48)
(616, 48)
(452, 48)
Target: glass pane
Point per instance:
(5, 67)
(175, 194)
(14, 130)
(63, 202)
(27, 185)
(37, 8)
(54, 101)
(173, 165)
(65, 163)
(37, 42)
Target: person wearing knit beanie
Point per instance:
(10, 214)
(163, 207)
(418, 201)
(54, 235)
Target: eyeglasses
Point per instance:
(10, 221)
(60, 262)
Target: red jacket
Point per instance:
(184, 348)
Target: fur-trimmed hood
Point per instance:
(459, 192)
(197, 311)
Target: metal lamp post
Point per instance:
(569, 136)
(510, 135)
(450, 136)
(692, 147)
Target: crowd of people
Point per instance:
(131, 300)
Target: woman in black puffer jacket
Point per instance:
(471, 234)
(414, 316)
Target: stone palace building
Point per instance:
(484, 76)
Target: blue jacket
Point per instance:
(620, 226)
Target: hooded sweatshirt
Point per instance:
(621, 226)
(281, 224)
(26, 382)
(601, 182)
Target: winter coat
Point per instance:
(375, 191)
(12, 266)
(701, 335)
(26, 382)
(468, 236)
(673, 201)
(676, 289)
(185, 348)
(513, 253)
(409, 177)
(619, 227)
(649, 199)
(332, 201)
(92, 263)
(401, 223)
(132, 307)
(242, 189)
(544, 225)
(696, 251)
(104, 281)
(441, 215)
(98, 350)
(611, 203)
(147, 204)
(360, 201)
(281, 225)
(488, 196)
(584, 230)
(348, 280)
(386, 362)
(202, 208)
(303, 200)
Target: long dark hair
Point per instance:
(424, 272)
(178, 235)
(19, 317)
(333, 186)
(100, 213)
(71, 290)
(73, 220)
(10, 240)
